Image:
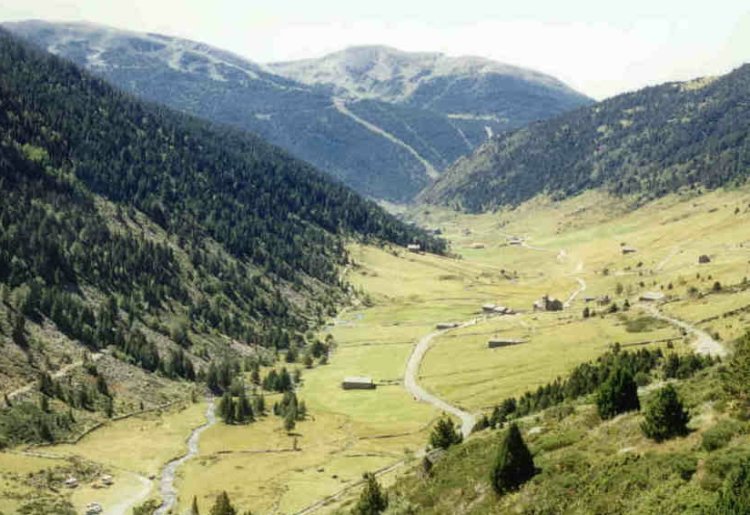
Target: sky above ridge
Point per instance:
(599, 48)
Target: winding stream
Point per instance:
(166, 483)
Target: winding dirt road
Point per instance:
(468, 420)
(704, 344)
(166, 484)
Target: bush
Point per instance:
(734, 497)
(664, 416)
(719, 435)
(514, 465)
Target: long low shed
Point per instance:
(503, 342)
(357, 383)
(446, 325)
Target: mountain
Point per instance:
(463, 88)
(388, 144)
(157, 238)
(647, 143)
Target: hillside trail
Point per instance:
(166, 483)
(430, 170)
(704, 344)
(126, 506)
(468, 420)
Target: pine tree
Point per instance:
(445, 434)
(514, 465)
(19, 331)
(618, 394)
(226, 408)
(372, 500)
(194, 508)
(223, 506)
(664, 416)
(736, 378)
(260, 404)
(290, 419)
(734, 497)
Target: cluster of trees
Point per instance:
(628, 144)
(445, 434)
(221, 506)
(290, 409)
(280, 381)
(236, 411)
(615, 368)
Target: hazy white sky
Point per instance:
(599, 47)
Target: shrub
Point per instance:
(719, 435)
(664, 416)
(734, 497)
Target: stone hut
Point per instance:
(357, 383)
(503, 342)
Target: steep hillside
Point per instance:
(647, 143)
(389, 147)
(585, 464)
(153, 236)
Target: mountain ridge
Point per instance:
(644, 143)
(303, 118)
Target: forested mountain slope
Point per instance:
(128, 227)
(647, 143)
(451, 109)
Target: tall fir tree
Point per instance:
(223, 506)
(618, 394)
(445, 434)
(514, 464)
(665, 416)
(372, 500)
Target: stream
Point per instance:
(166, 483)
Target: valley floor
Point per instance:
(571, 250)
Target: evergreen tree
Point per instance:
(290, 420)
(372, 500)
(734, 497)
(736, 378)
(243, 409)
(223, 506)
(618, 394)
(445, 434)
(665, 416)
(260, 404)
(226, 408)
(194, 508)
(514, 464)
(19, 331)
